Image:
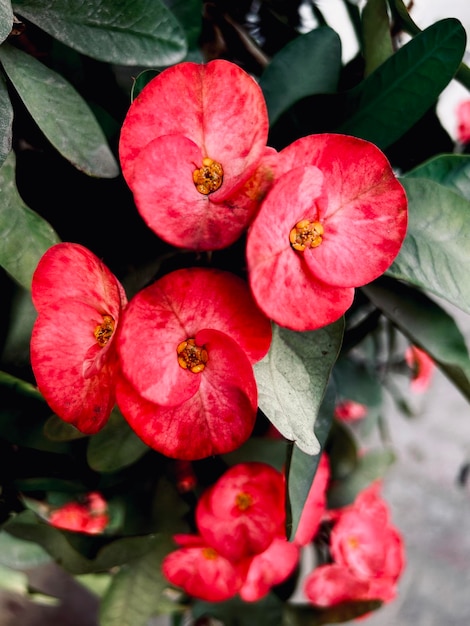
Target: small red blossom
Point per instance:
(334, 220)
(463, 121)
(350, 411)
(73, 351)
(243, 511)
(422, 367)
(187, 346)
(193, 152)
(315, 505)
(90, 518)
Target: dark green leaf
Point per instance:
(134, 32)
(302, 615)
(377, 40)
(267, 611)
(189, 15)
(292, 380)
(72, 129)
(436, 252)
(116, 446)
(24, 235)
(450, 170)
(307, 65)
(301, 467)
(28, 526)
(6, 121)
(398, 93)
(6, 19)
(426, 325)
(136, 591)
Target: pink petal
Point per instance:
(229, 125)
(217, 419)
(364, 210)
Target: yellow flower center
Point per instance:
(243, 501)
(104, 331)
(192, 357)
(209, 177)
(209, 553)
(306, 234)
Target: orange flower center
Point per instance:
(209, 553)
(209, 177)
(353, 542)
(243, 501)
(306, 234)
(192, 357)
(104, 331)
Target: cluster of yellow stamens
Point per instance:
(104, 331)
(306, 234)
(243, 501)
(192, 357)
(209, 177)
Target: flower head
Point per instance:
(90, 517)
(73, 352)
(463, 121)
(187, 346)
(193, 152)
(350, 411)
(334, 219)
(422, 368)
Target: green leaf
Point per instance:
(6, 121)
(27, 525)
(24, 235)
(436, 252)
(72, 129)
(307, 615)
(450, 170)
(307, 65)
(136, 591)
(377, 40)
(6, 19)
(19, 554)
(292, 380)
(371, 465)
(134, 32)
(116, 446)
(426, 325)
(398, 93)
(301, 467)
(235, 612)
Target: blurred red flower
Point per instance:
(187, 346)
(90, 518)
(73, 351)
(422, 368)
(350, 411)
(463, 121)
(334, 219)
(193, 152)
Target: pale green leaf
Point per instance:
(6, 19)
(20, 554)
(132, 32)
(72, 128)
(450, 170)
(24, 235)
(292, 380)
(436, 252)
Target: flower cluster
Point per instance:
(240, 545)
(90, 517)
(367, 554)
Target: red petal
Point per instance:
(217, 419)
(229, 124)
(61, 339)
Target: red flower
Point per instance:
(192, 150)
(334, 220)
(243, 511)
(203, 573)
(350, 411)
(422, 366)
(90, 518)
(463, 121)
(331, 584)
(315, 505)
(187, 346)
(79, 303)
